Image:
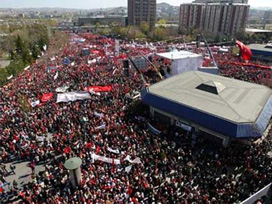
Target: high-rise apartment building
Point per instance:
(142, 11)
(218, 18)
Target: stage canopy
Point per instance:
(182, 61)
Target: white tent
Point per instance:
(182, 61)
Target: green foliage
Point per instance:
(144, 27)
(23, 46)
(35, 50)
(104, 31)
(3, 76)
(158, 34)
(161, 21)
(19, 45)
(139, 35)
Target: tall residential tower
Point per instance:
(142, 11)
(217, 17)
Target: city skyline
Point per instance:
(88, 4)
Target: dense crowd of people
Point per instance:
(173, 166)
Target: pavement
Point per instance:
(22, 171)
(4, 63)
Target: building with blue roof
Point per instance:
(223, 107)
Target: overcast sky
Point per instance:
(89, 4)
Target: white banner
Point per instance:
(10, 77)
(101, 127)
(134, 161)
(115, 161)
(116, 151)
(128, 168)
(92, 61)
(62, 89)
(117, 47)
(35, 103)
(27, 68)
(91, 91)
(100, 115)
(183, 126)
(72, 96)
(153, 129)
(105, 159)
(56, 75)
(114, 71)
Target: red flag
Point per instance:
(67, 150)
(47, 97)
(97, 150)
(99, 88)
(245, 50)
(89, 145)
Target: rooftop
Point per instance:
(254, 30)
(261, 47)
(174, 55)
(230, 99)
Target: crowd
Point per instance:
(173, 166)
(257, 72)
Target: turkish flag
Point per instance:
(245, 50)
(99, 88)
(47, 97)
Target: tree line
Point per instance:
(23, 47)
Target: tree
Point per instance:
(159, 34)
(41, 43)
(19, 45)
(124, 32)
(139, 34)
(35, 51)
(26, 57)
(253, 38)
(104, 31)
(144, 27)
(97, 25)
(161, 21)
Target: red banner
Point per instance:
(47, 97)
(250, 65)
(99, 88)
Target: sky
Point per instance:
(90, 4)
